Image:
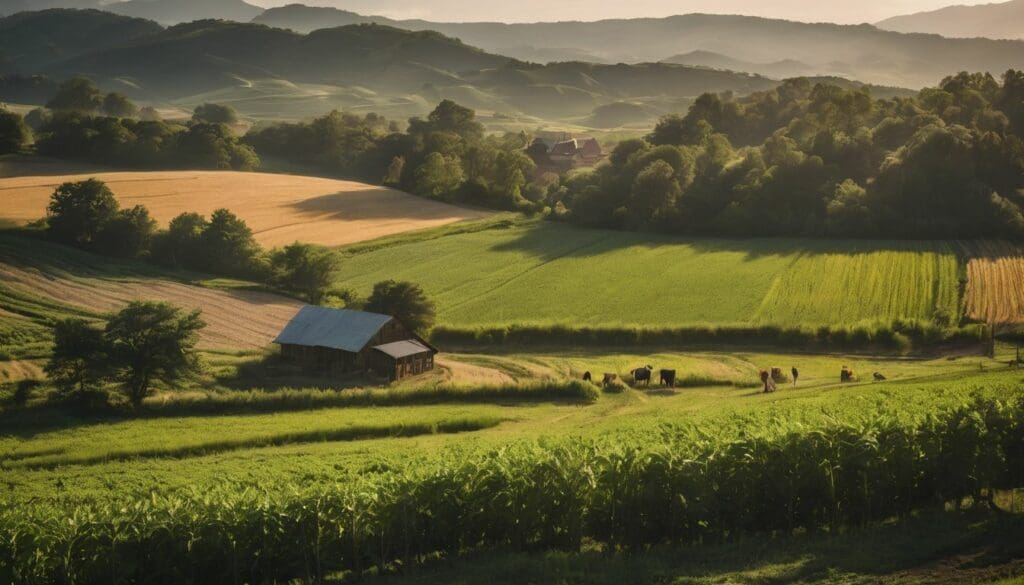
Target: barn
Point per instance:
(342, 340)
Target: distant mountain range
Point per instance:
(178, 11)
(774, 48)
(242, 62)
(162, 11)
(857, 52)
(994, 21)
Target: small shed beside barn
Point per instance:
(402, 358)
(342, 340)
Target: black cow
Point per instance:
(668, 378)
(587, 377)
(879, 377)
(643, 375)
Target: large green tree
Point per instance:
(439, 176)
(228, 246)
(77, 95)
(79, 360)
(119, 106)
(152, 343)
(78, 212)
(304, 268)
(215, 114)
(14, 133)
(404, 301)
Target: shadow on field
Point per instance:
(937, 548)
(549, 241)
(376, 204)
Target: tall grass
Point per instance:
(674, 485)
(898, 336)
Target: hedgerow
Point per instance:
(898, 336)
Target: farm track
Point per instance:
(280, 209)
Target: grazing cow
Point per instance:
(668, 378)
(643, 375)
(846, 375)
(879, 377)
(796, 375)
(587, 377)
(608, 379)
(765, 377)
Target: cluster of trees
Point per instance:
(445, 156)
(14, 133)
(82, 123)
(87, 215)
(145, 344)
(816, 159)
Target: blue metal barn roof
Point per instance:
(332, 328)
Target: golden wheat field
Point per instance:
(995, 282)
(280, 209)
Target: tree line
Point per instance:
(819, 160)
(445, 156)
(86, 215)
(82, 123)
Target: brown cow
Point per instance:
(608, 379)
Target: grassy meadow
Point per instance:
(544, 273)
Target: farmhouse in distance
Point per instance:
(565, 154)
(342, 340)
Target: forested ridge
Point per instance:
(823, 161)
(803, 159)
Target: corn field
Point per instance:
(673, 485)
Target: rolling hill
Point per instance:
(8, 7)
(33, 41)
(778, 69)
(206, 55)
(362, 66)
(860, 52)
(178, 11)
(995, 21)
(162, 11)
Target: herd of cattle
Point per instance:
(643, 376)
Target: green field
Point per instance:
(545, 273)
(172, 472)
(89, 456)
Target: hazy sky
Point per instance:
(846, 11)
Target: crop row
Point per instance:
(672, 485)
